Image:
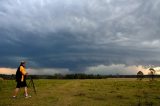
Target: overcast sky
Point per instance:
(80, 35)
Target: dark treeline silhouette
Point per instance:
(58, 76)
(75, 76)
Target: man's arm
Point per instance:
(23, 71)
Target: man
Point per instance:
(21, 80)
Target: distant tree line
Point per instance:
(76, 76)
(58, 76)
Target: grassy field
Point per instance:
(95, 92)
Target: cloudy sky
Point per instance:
(90, 36)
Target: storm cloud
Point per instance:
(77, 35)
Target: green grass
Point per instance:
(96, 92)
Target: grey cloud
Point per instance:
(78, 34)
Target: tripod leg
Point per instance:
(29, 83)
(33, 86)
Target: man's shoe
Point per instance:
(14, 97)
(29, 96)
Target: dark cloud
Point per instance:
(79, 34)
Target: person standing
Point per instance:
(21, 80)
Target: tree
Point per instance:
(152, 73)
(140, 75)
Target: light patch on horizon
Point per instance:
(8, 71)
(119, 69)
(116, 69)
(30, 71)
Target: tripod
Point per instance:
(32, 84)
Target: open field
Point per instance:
(95, 92)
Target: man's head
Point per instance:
(23, 63)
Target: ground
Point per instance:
(93, 92)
